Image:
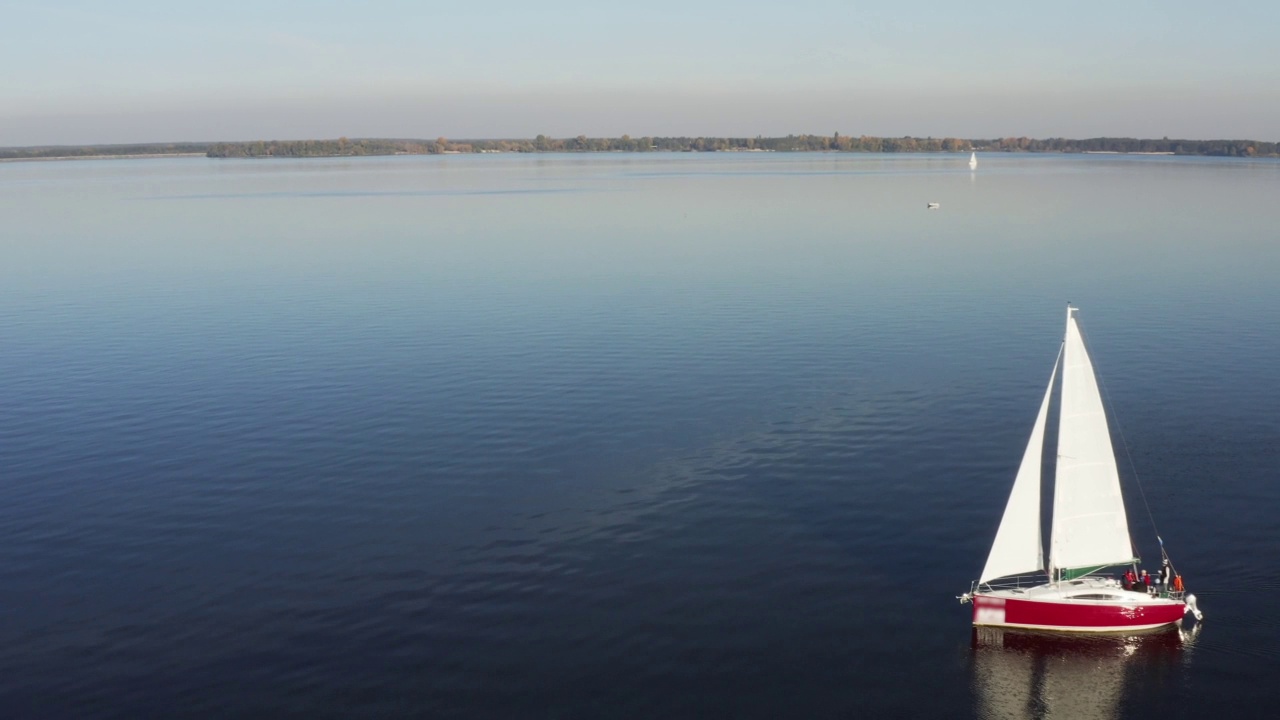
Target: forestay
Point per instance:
(1089, 525)
(1018, 548)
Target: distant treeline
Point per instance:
(791, 143)
(1216, 148)
(72, 151)
(343, 147)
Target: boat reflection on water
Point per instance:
(1019, 674)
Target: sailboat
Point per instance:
(1090, 530)
(973, 161)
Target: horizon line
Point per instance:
(631, 136)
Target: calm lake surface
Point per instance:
(592, 436)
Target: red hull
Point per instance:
(1073, 616)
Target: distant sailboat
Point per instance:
(973, 161)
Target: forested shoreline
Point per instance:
(791, 143)
(52, 152)
(343, 147)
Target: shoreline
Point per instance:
(343, 147)
(143, 156)
(157, 156)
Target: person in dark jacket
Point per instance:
(1166, 576)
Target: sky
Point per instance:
(79, 72)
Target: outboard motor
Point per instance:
(1191, 607)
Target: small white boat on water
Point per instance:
(933, 206)
(973, 161)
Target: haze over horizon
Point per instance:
(144, 71)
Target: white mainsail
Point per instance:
(1018, 548)
(973, 160)
(1089, 525)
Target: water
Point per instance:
(612, 435)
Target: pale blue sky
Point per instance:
(138, 70)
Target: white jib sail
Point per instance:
(1017, 548)
(973, 160)
(1089, 524)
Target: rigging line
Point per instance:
(1128, 455)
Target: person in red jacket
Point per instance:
(1129, 579)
